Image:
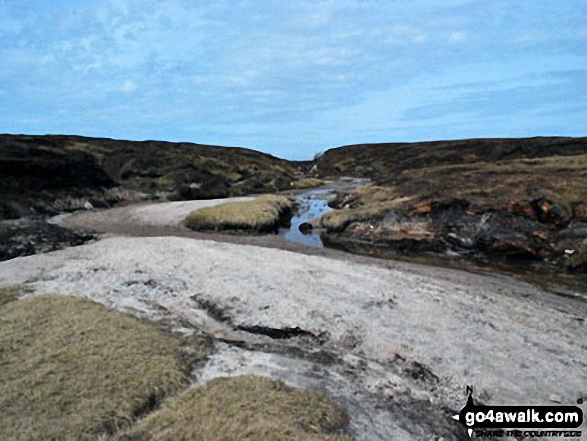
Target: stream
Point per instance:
(312, 205)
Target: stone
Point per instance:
(306, 228)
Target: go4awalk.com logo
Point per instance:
(520, 421)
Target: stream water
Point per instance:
(311, 206)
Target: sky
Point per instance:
(292, 78)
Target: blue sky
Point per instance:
(294, 77)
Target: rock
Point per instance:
(212, 187)
(550, 209)
(306, 228)
(98, 203)
(33, 235)
(11, 210)
(350, 340)
(421, 208)
(318, 155)
(580, 212)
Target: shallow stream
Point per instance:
(311, 207)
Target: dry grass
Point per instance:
(367, 203)
(338, 220)
(11, 293)
(246, 408)
(307, 183)
(562, 180)
(261, 215)
(563, 176)
(71, 369)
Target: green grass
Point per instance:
(260, 215)
(246, 408)
(71, 369)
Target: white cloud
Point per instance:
(128, 86)
(404, 34)
(457, 37)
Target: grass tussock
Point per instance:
(307, 183)
(10, 293)
(71, 369)
(367, 203)
(243, 408)
(262, 214)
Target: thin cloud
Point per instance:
(332, 70)
(457, 37)
(128, 86)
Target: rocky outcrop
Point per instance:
(29, 236)
(538, 233)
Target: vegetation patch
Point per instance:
(489, 173)
(244, 408)
(263, 214)
(515, 200)
(365, 204)
(564, 178)
(307, 183)
(71, 369)
(11, 293)
(36, 171)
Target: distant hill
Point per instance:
(381, 161)
(53, 173)
(515, 198)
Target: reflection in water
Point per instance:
(312, 205)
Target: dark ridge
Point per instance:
(50, 174)
(358, 159)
